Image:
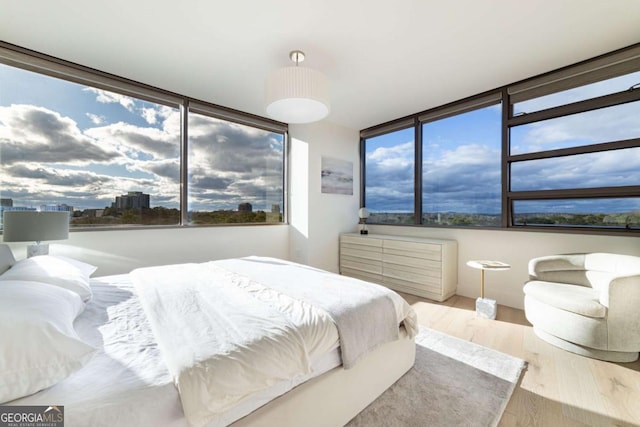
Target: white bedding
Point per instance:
(230, 329)
(224, 337)
(128, 382)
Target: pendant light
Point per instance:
(297, 94)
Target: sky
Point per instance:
(62, 142)
(462, 155)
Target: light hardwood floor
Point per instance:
(558, 388)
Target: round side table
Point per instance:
(486, 307)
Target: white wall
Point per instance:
(121, 251)
(314, 238)
(513, 247)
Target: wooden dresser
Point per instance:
(418, 266)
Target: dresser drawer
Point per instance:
(361, 241)
(427, 291)
(361, 252)
(361, 264)
(411, 261)
(420, 277)
(413, 250)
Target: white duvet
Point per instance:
(230, 329)
(220, 345)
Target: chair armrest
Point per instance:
(622, 294)
(542, 268)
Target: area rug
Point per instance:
(453, 383)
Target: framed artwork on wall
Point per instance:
(337, 176)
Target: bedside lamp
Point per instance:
(363, 213)
(34, 226)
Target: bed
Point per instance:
(139, 360)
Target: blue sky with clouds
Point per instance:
(461, 157)
(62, 142)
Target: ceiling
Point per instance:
(384, 58)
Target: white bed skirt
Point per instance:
(337, 396)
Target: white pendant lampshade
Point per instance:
(297, 94)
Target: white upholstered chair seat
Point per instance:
(586, 303)
(573, 298)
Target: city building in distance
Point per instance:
(132, 200)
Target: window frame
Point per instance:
(26, 59)
(613, 64)
(395, 126)
(467, 105)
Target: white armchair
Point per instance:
(586, 303)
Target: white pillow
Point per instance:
(39, 346)
(64, 272)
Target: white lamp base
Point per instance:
(486, 308)
(39, 249)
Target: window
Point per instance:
(108, 158)
(560, 150)
(614, 123)
(110, 151)
(235, 172)
(389, 177)
(575, 94)
(574, 160)
(461, 164)
(612, 213)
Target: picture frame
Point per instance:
(336, 176)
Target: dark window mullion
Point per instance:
(418, 173)
(576, 193)
(363, 165)
(505, 175)
(582, 149)
(184, 171)
(576, 107)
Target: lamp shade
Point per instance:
(34, 226)
(297, 95)
(363, 213)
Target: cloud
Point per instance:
(389, 178)
(592, 127)
(209, 183)
(106, 97)
(96, 119)
(150, 115)
(54, 177)
(228, 147)
(169, 168)
(231, 164)
(465, 178)
(157, 113)
(135, 141)
(33, 186)
(603, 169)
(36, 134)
